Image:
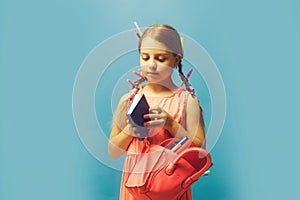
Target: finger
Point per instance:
(153, 116)
(152, 123)
(136, 132)
(155, 109)
(129, 129)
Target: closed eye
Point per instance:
(161, 58)
(145, 57)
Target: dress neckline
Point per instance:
(177, 91)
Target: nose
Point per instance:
(152, 65)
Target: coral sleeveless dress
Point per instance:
(175, 105)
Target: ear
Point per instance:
(177, 60)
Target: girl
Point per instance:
(174, 112)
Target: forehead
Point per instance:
(149, 45)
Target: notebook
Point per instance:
(135, 113)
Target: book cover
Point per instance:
(135, 113)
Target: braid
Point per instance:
(190, 89)
(180, 68)
(185, 80)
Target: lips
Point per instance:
(152, 73)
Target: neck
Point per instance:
(161, 87)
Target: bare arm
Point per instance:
(120, 137)
(194, 121)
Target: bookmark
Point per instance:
(138, 31)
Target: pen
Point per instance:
(179, 144)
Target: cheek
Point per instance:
(143, 64)
(167, 70)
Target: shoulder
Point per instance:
(124, 99)
(189, 98)
(190, 102)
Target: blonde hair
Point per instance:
(166, 35)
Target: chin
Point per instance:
(158, 82)
(152, 81)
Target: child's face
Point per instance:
(156, 62)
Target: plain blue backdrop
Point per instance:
(254, 44)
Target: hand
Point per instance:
(159, 118)
(131, 130)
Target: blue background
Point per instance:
(254, 44)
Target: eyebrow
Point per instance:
(157, 54)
